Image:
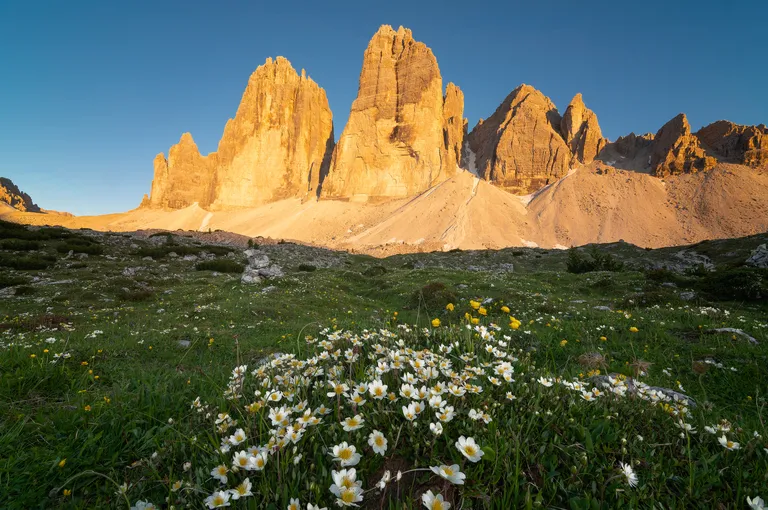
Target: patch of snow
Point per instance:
(475, 182)
(525, 199)
(470, 158)
(529, 244)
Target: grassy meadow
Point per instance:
(417, 381)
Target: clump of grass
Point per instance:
(374, 271)
(140, 294)
(307, 268)
(221, 265)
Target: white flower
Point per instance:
(436, 428)
(377, 389)
(378, 442)
(353, 423)
(310, 506)
(756, 503)
(187, 466)
(220, 473)
(469, 448)
(434, 502)
(241, 491)
(257, 462)
(346, 454)
(728, 444)
(241, 460)
(451, 473)
(545, 382)
(294, 504)
(629, 474)
(346, 489)
(384, 480)
(237, 438)
(218, 499)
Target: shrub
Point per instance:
(24, 290)
(80, 245)
(735, 284)
(222, 266)
(19, 245)
(135, 294)
(596, 261)
(11, 281)
(433, 296)
(374, 271)
(28, 262)
(307, 268)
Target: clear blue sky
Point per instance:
(91, 90)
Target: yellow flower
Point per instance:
(67, 492)
(633, 329)
(482, 311)
(474, 304)
(449, 307)
(84, 363)
(45, 351)
(563, 342)
(505, 309)
(603, 339)
(33, 356)
(87, 409)
(62, 462)
(475, 320)
(435, 323)
(107, 400)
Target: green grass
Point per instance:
(143, 348)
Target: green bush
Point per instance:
(433, 296)
(80, 245)
(28, 262)
(24, 290)
(19, 245)
(135, 294)
(375, 271)
(222, 266)
(307, 268)
(735, 284)
(11, 281)
(596, 261)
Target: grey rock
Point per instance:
(148, 259)
(687, 296)
(602, 308)
(173, 254)
(669, 284)
(82, 256)
(190, 258)
(267, 290)
(759, 257)
(258, 260)
(633, 387)
(272, 271)
(735, 331)
(184, 343)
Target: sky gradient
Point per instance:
(91, 91)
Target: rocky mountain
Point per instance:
(520, 147)
(11, 195)
(403, 135)
(745, 145)
(581, 131)
(277, 146)
(676, 151)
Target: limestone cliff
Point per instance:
(397, 136)
(676, 151)
(746, 145)
(277, 146)
(519, 147)
(581, 131)
(11, 194)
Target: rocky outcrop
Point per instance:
(676, 151)
(519, 147)
(279, 143)
(758, 257)
(11, 194)
(278, 146)
(745, 145)
(394, 144)
(581, 131)
(629, 146)
(454, 128)
(184, 178)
